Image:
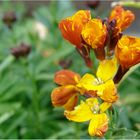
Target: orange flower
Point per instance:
(65, 95)
(71, 27)
(123, 17)
(94, 33)
(128, 51)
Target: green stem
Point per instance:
(6, 63)
(35, 104)
(131, 70)
(127, 4)
(35, 98)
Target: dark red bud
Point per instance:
(65, 63)
(9, 18)
(93, 3)
(21, 50)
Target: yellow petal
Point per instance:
(81, 113)
(98, 125)
(107, 69)
(104, 106)
(71, 103)
(110, 92)
(89, 82)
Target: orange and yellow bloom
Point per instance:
(117, 53)
(66, 94)
(123, 17)
(102, 83)
(128, 51)
(90, 110)
(94, 33)
(71, 27)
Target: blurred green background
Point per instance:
(26, 83)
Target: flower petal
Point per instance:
(98, 125)
(123, 17)
(81, 113)
(71, 103)
(110, 92)
(71, 27)
(89, 83)
(94, 33)
(104, 106)
(107, 69)
(61, 95)
(66, 77)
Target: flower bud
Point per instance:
(9, 18)
(123, 17)
(92, 3)
(22, 50)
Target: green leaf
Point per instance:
(124, 133)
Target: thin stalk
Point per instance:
(127, 4)
(35, 100)
(131, 70)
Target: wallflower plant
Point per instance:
(116, 54)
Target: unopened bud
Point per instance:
(93, 3)
(9, 18)
(65, 63)
(21, 51)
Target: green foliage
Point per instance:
(26, 83)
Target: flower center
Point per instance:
(95, 109)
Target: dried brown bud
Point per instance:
(65, 63)
(9, 18)
(21, 50)
(93, 3)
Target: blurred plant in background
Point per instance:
(26, 81)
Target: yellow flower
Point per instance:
(71, 27)
(123, 17)
(91, 110)
(128, 51)
(66, 94)
(103, 83)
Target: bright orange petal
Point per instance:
(66, 77)
(128, 51)
(61, 95)
(71, 27)
(123, 17)
(94, 33)
(98, 125)
(71, 103)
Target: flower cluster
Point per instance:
(116, 54)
